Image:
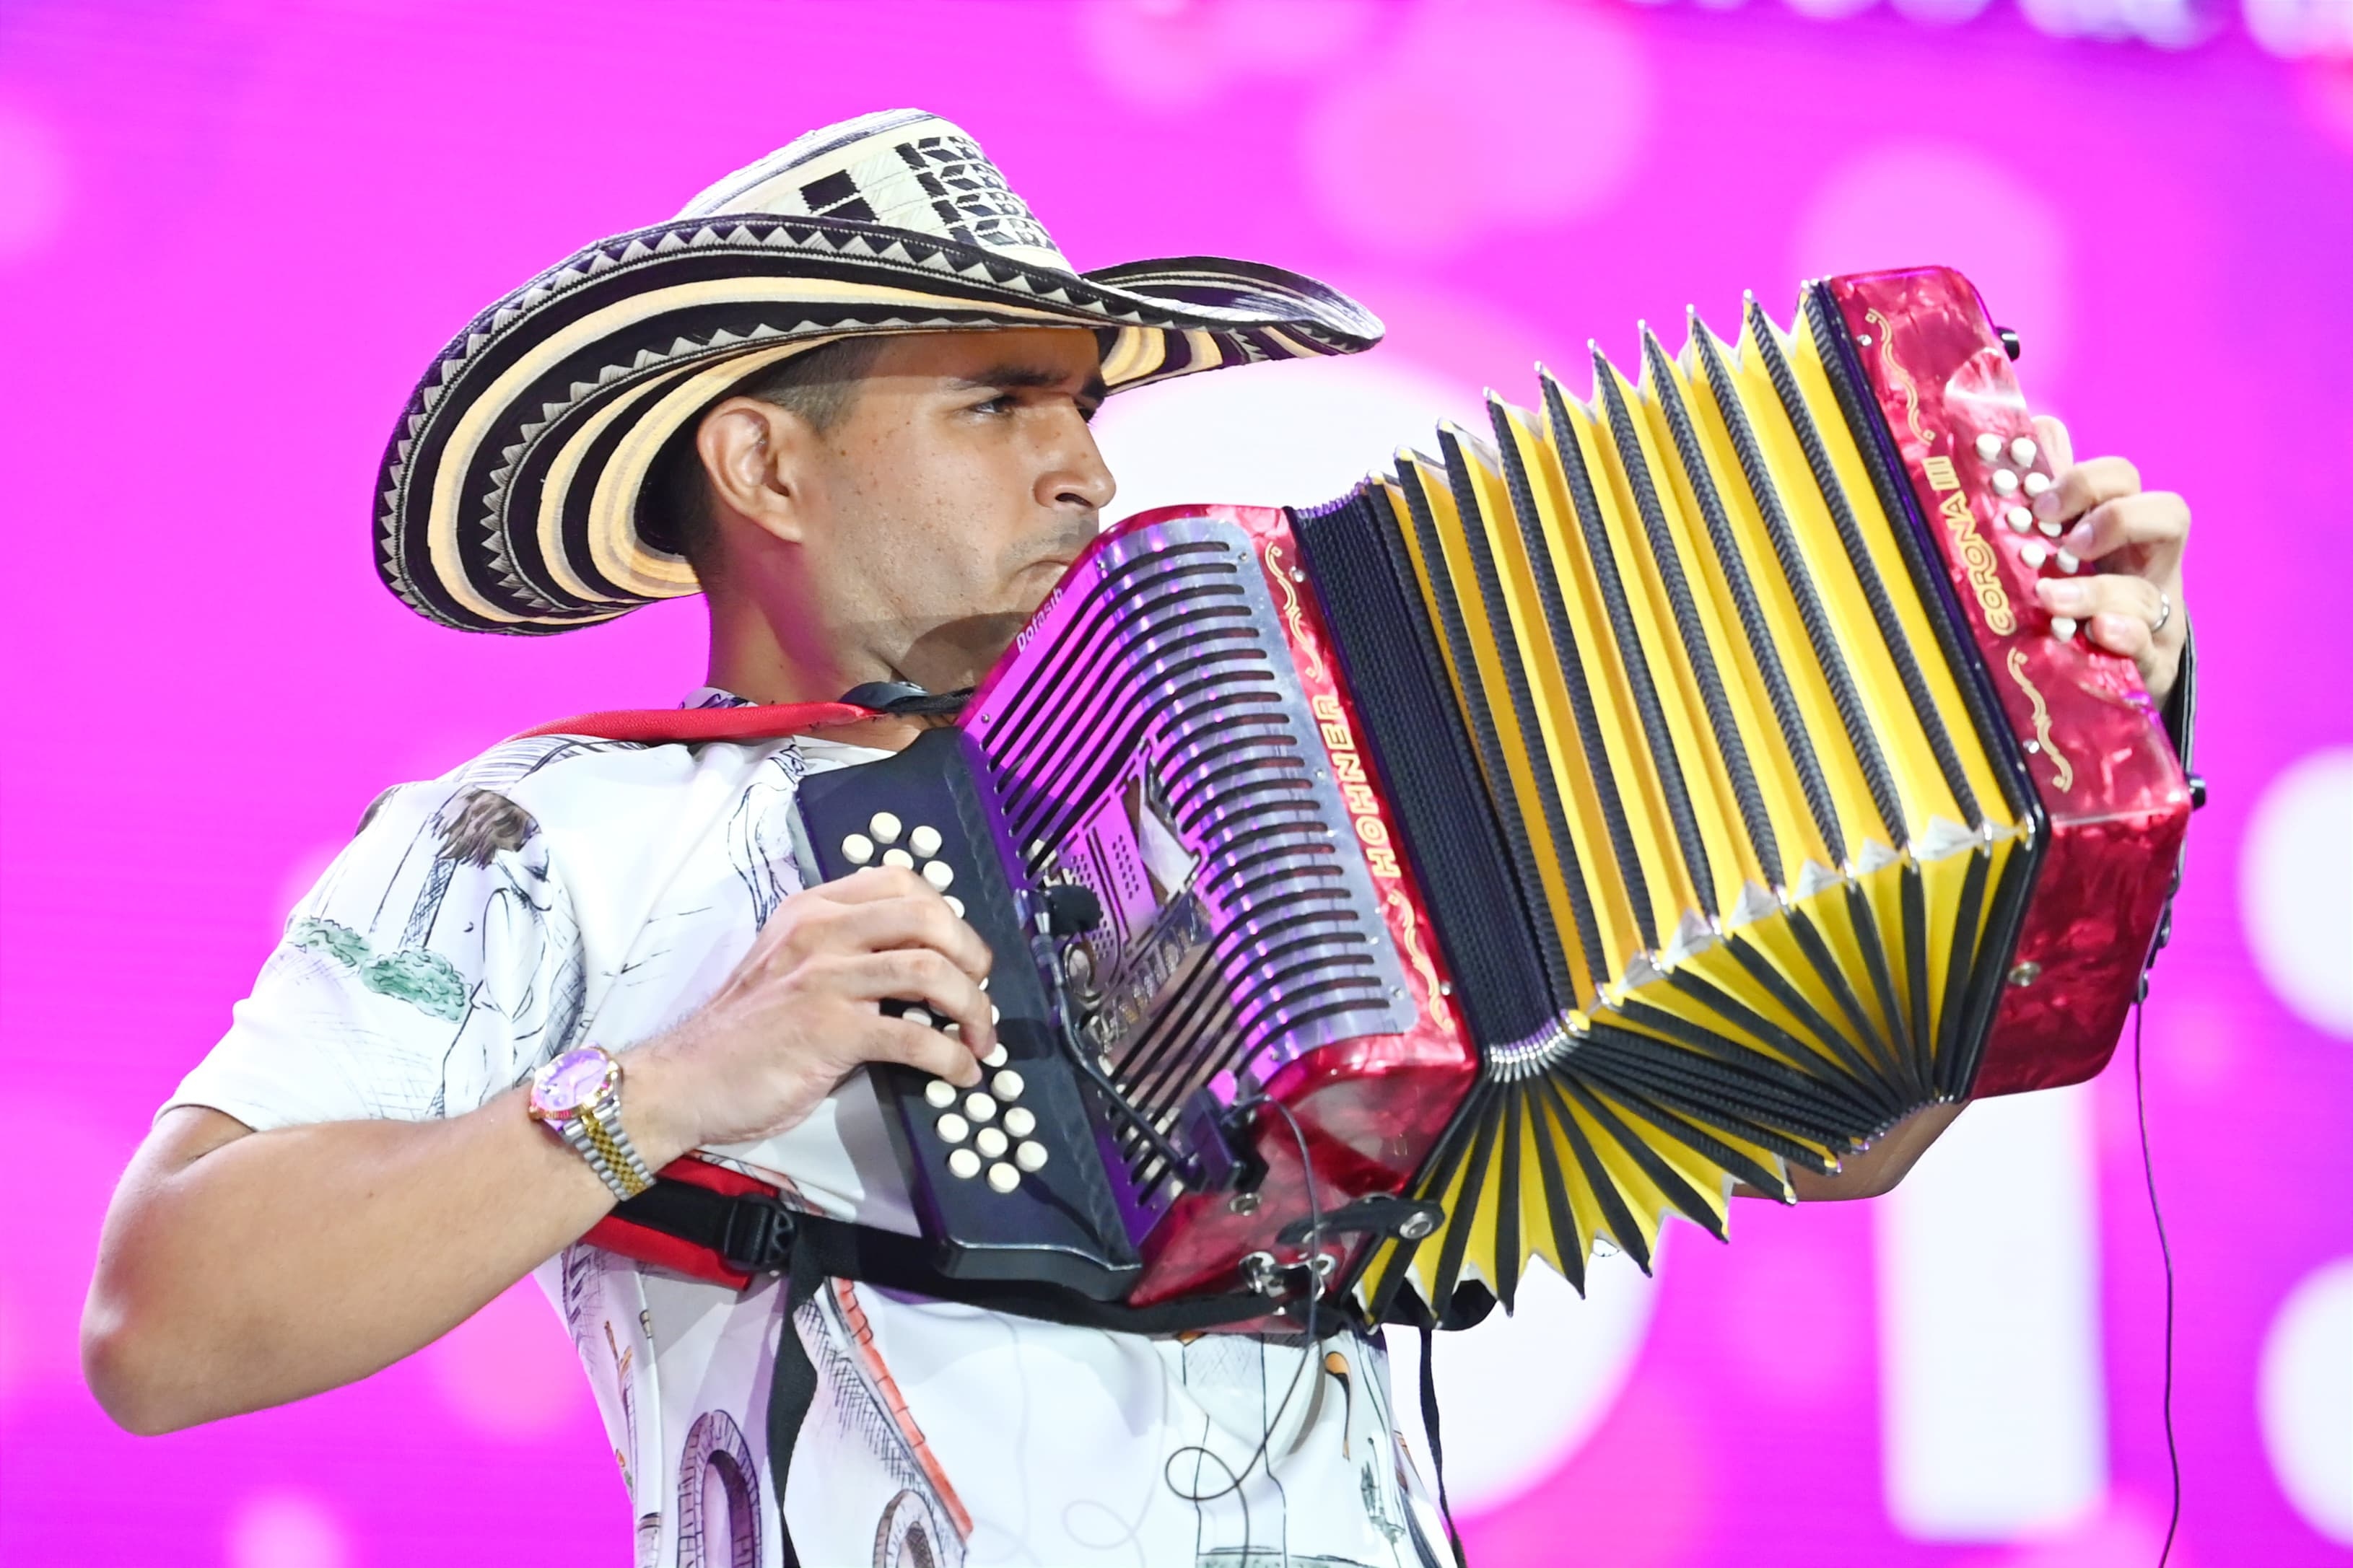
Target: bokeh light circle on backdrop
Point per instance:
(1523, 1392)
(2295, 888)
(286, 1529)
(1941, 13)
(1909, 205)
(33, 183)
(1291, 433)
(2306, 1398)
(1458, 133)
(507, 1371)
(1174, 54)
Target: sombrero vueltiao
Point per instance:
(509, 497)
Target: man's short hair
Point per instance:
(819, 387)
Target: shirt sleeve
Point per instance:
(437, 963)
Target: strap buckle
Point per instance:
(757, 1234)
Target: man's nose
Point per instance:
(1078, 479)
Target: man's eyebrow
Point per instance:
(1017, 377)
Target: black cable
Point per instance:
(1312, 1241)
(2164, 1251)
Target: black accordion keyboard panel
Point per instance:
(1005, 1176)
(1751, 838)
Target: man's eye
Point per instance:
(1001, 404)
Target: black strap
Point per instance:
(1437, 1449)
(760, 1234)
(792, 1389)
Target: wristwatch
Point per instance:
(578, 1097)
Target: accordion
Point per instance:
(1650, 793)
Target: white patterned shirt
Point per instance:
(558, 890)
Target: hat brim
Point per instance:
(507, 501)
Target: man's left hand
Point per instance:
(2133, 604)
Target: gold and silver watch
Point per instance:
(578, 1097)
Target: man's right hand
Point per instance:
(803, 1010)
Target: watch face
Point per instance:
(570, 1081)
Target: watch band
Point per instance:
(599, 1136)
(577, 1096)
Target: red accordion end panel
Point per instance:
(2115, 796)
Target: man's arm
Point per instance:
(240, 1269)
(1878, 1168)
(243, 1269)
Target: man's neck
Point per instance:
(749, 658)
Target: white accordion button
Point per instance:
(980, 1107)
(2019, 519)
(1003, 1178)
(2051, 530)
(956, 906)
(2005, 482)
(939, 874)
(917, 1015)
(858, 849)
(2062, 626)
(899, 858)
(2034, 554)
(1988, 446)
(1019, 1123)
(995, 1056)
(952, 1029)
(992, 1144)
(2021, 450)
(2037, 483)
(939, 1094)
(993, 1013)
(964, 1163)
(1007, 1085)
(1030, 1157)
(925, 840)
(2067, 562)
(952, 1128)
(884, 826)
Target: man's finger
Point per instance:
(871, 883)
(2158, 520)
(926, 1049)
(915, 922)
(2109, 594)
(922, 976)
(2082, 486)
(2050, 434)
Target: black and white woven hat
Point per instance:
(508, 499)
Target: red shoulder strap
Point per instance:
(655, 726)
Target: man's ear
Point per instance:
(756, 457)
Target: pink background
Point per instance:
(231, 234)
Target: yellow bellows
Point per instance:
(1751, 812)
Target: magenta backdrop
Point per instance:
(232, 233)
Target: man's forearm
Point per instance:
(1877, 1169)
(242, 1269)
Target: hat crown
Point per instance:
(901, 167)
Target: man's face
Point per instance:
(950, 497)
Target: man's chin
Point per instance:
(959, 652)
